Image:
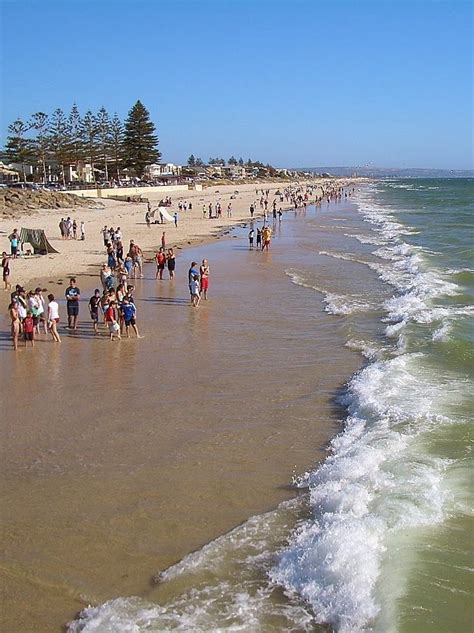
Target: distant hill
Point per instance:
(390, 172)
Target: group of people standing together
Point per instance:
(198, 281)
(69, 229)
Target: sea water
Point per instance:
(380, 537)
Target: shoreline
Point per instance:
(197, 459)
(55, 269)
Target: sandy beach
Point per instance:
(122, 458)
(76, 257)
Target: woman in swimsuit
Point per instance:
(204, 271)
(15, 325)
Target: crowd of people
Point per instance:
(70, 230)
(32, 314)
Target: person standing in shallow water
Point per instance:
(53, 318)
(73, 294)
(204, 275)
(192, 272)
(171, 261)
(15, 324)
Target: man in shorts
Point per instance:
(129, 312)
(73, 294)
(94, 305)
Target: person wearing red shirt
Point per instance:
(29, 329)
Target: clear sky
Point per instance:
(290, 82)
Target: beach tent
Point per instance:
(164, 212)
(37, 239)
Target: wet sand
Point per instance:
(120, 458)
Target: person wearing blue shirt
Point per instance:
(129, 312)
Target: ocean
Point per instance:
(378, 536)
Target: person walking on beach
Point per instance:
(252, 210)
(175, 218)
(251, 234)
(73, 294)
(15, 324)
(160, 259)
(259, 238)
(94, 305)
(83, 231)
(171, 261)
(163, 240)
(53, 318)
(204, 277)
(6, 271)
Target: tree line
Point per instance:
(198, 162)
(102, 140)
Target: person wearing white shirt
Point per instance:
(53, 318)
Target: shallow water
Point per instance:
(118, 459)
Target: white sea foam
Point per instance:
(344, 256)
(375, 483)
(367, 239)
(223, 586)
(337, 304)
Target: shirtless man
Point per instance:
(15, 324)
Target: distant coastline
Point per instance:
(389, 172)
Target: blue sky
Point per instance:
(290, 82)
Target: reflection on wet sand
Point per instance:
(119, 458)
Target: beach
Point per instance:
(292, 454)
(128, 456)
(77, 257)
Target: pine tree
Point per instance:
(75, 140)
(18, 148)
(140, 142)
(232, 160)
(191, 161)
(116, 143)
(42, 142)
(241, 161)
(90, 139)
(60, 135)
(103, 127)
